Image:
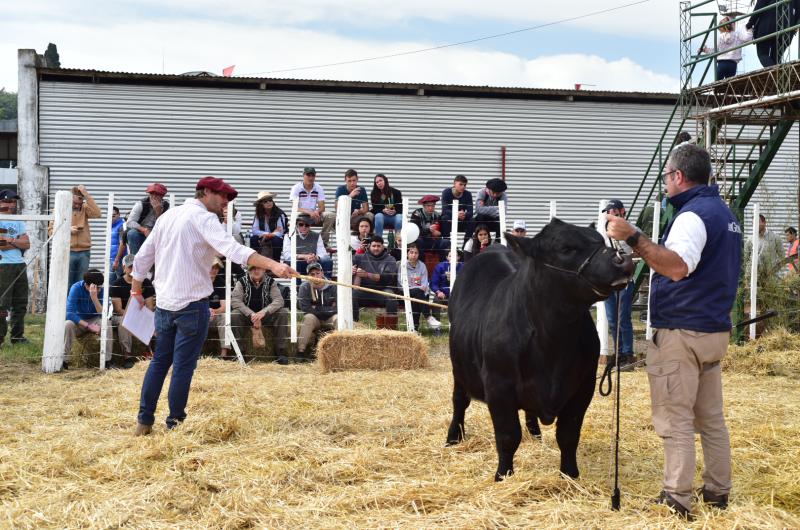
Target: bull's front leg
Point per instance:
(455, 434)
(507, 430)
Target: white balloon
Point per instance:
(412, 231)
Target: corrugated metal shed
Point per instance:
(125, 132)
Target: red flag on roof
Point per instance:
(228, 72)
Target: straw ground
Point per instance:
(290, 447)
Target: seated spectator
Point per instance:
(361, 236)
(120, 293)
(257, 305)
(84, 311)
(359, 204)
(520, 228)
(309, 248)
(387, 205)
(216, 304)
(478, 243)
(311, 202)
(80, 243)
(376, 269)
(122, 250)
(143, 215)
(269, 225)
(417, 276)
(117, 224)
(317, 300)
(428, 221)
(487, 210)
(440, 281)
(458, 193)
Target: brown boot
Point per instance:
(390, 322)
(143, 430)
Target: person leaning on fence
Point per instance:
(487, 204)
(120, 294)
(317, 300)
(310, 248)
(122, 248)
(142, 217)
(418, 288)
(80, 243)
(771, 50)
(359, 203)
(182, 246)
(377, 270)
(729, 37)
(694, 282)
(257, 305)
(269, 226)
(13, 275)
(84, 312)
(311, 201)
(440, 280)
(387, 204)
(430, 229)
(792, 259)
(117, 224)
(460, 193)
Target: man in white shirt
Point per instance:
(311, 201)
(183, 244)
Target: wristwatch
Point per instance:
(633, 240)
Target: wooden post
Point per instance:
(53, 352)
(656, 235)
(106, 285)
(453, 247)
(344, 266)
(754, 270)
(501, 208)
(293, 264)
(552, 210)
(404, 266)
(602, 318)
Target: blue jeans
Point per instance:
(726, 68)
(381, 220)
(180, 337)
(135, 241)
(626, 328)
(78, 265)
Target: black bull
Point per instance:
(522, 337)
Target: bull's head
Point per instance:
(578, 257)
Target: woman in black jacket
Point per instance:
(269, 226)
(387, 204)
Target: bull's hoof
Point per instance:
(450, 443)
(534, 430)
(500, 476)
(572, 473)
(455, 435)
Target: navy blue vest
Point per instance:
(703, 300)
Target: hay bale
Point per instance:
(372, 350)
(775, 354)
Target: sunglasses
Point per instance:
(303, 224)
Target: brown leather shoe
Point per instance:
(667, 500)
(712, 499)
(143, 430)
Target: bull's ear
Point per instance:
(521, 245)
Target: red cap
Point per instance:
(428, 198)
(157, 188)
(217, 185)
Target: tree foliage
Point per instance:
(8, 105)
(51, 58)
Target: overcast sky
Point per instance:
(635, 48)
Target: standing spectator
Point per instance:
(13, 276)
(694, 283)
(793, 262)
(729, 37)
(309, 248)
(117, 224)
(359, 204)
(362, 235)
(257, 305)
(419, 289)
(84, 311)
(440, 281)
(317, 300)
(144, 214)
(770, 251)
(387, 205)
(487, 209)
(120, 293)
(182, 247)
(458, 193)
(480, 241)
(376, 269)
(269, 225)
(311, 202)
(623, 299)
(80, 243)
(430, 229)
(216, 305)
(520, 228)
(682, 138)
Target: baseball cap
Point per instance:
(157, 188)
(8, 195)
(520, 224)
(309, 171)
(313, 266)
(614, 204)
(218, 186)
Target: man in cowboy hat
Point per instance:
(487, 204)
(143, 215)
(269, 226)
(430, 228)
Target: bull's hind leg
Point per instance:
(568, 428)
(507, 433)
(532, 424)
(455, 434)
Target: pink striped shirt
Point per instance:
(183, 245)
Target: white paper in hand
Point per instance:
(139, 320)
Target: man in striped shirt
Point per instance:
(182, 246)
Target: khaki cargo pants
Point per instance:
(685, 376)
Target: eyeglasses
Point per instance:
(303, 224)
(664, 175)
